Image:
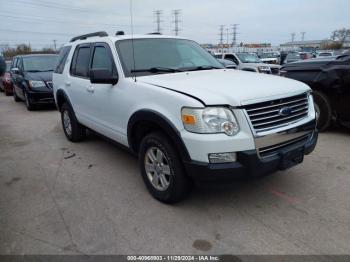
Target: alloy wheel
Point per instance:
(157, 168)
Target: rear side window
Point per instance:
(62, 59)
(81, 59)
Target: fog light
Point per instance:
(222, 158)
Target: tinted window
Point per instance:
(82, 62)
(62, 58)
(101, 59)
(43, 63)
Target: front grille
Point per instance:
(49, 84)
(275, 149)
(269, 115)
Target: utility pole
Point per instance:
(221, 34)
(54, 44)
(234, 34)
(158, 14)
(176, 14)
(293, 37)
(303, 36)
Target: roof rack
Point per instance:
(83, 37)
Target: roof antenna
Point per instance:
(132, 39)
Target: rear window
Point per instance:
(62, 58)
(43, 63)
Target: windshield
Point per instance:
(325, 54)
(167, 53)
(293, 56)
(39, 63)
(248, 58)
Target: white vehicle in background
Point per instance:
(270, 58)
(249, 62)
(322, 54)
(186, 117)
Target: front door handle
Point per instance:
(67, 83)
(90, 89)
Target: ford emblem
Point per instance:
(285, 111)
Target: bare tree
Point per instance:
(341, 35)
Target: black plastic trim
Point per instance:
(165, 125)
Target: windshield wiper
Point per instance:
(197, 68)
(156, 70)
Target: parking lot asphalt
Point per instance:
(57, 197)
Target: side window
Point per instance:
(232, 58)
(102, 59)
(62, 59)
(14, 63)
(80, 63)
(19, 64)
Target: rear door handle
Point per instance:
(67, 83)
(90, 89)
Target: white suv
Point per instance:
(185, 116)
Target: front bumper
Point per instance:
(41, 98)
(249, 164)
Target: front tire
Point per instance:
(29, 105)
(73, 130)
(162, 169)
(323, 110)
(15, 97)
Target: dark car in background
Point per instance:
(32, 79)
(5, 81)
(330, 80)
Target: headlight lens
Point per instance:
(210, 120)
(36, 84)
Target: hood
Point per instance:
(39, 76)
(227, 87)
(307, 64)
(261, 64)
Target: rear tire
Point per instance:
(73, 130)
(165, 176)
(323, 110)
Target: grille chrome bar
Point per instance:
(273, 150)
(286, 103)
(269, 115)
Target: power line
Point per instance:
(303, 36)
(158, 14)
(176, 14)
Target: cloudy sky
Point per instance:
(39, 22)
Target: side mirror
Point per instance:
(103, 76)
(15, 70)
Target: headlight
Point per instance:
(36, 84)
(210, 120)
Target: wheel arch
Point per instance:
(61, 98)
(144, 122)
